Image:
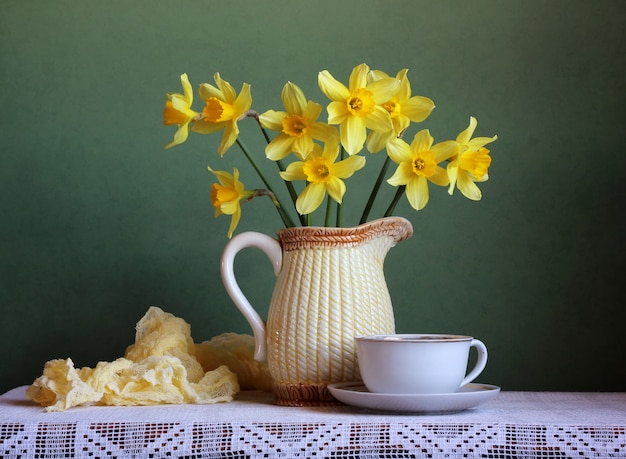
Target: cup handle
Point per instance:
(481, 362)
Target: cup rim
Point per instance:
(414, 338)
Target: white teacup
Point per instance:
(418, 364)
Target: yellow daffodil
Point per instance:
(323, 175)
(471, 164)
(418, 163)
(178, 111)
(222, 109)
(298, 125)
(372, 110)
(403, 109)
(358, 107)
(226, 196)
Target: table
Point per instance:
(514, 424)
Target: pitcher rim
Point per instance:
(301, 237)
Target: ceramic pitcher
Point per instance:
(330, 288)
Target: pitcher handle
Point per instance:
(273, 250)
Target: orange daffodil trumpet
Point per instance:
(373, 111)
(178, 111)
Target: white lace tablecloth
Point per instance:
(513, 425)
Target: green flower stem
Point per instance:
(290, 188)
(396, 198)
(268, 193)
(288, 222)
(339, 216)
(329, 208)
(377, 185)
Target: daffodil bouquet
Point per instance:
(372, 112)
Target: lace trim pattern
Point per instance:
(308, 440)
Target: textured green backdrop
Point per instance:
(99, 222)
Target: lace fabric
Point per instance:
(515, 424)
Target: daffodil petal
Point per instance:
(375, 75)
(223, 177)
(279, 148)
(353, 134)
(312, 111)
(324, 132)
(345, 168)
(187, 89)
(378, 120)
(478, 142)
(206, 91)
(332, 88)
(231, 131)
(403, 175)
(384, 89)
(293, 99)
(337, 112)
(464, 137)
(336, 188)
(400, 123)
(293, 172)
(206, 127)
(272, 119)
(417, 193)
(234, 221)
(467, 186)
(226, 88)
(330, 152)
(418, 108)
(179, 103)
(445, 150)
(376, 140)
(484, 178)
(310, 198)
(440, 177)
(358, 77)
(422, 141)
(453, 172)
(399, 151)
(302, 146)
(243, 102)
(404, 90)
(180, 135)
(229, 208)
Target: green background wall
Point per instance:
(99, 222)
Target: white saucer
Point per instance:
(469, 396)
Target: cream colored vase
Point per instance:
(330, 288)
